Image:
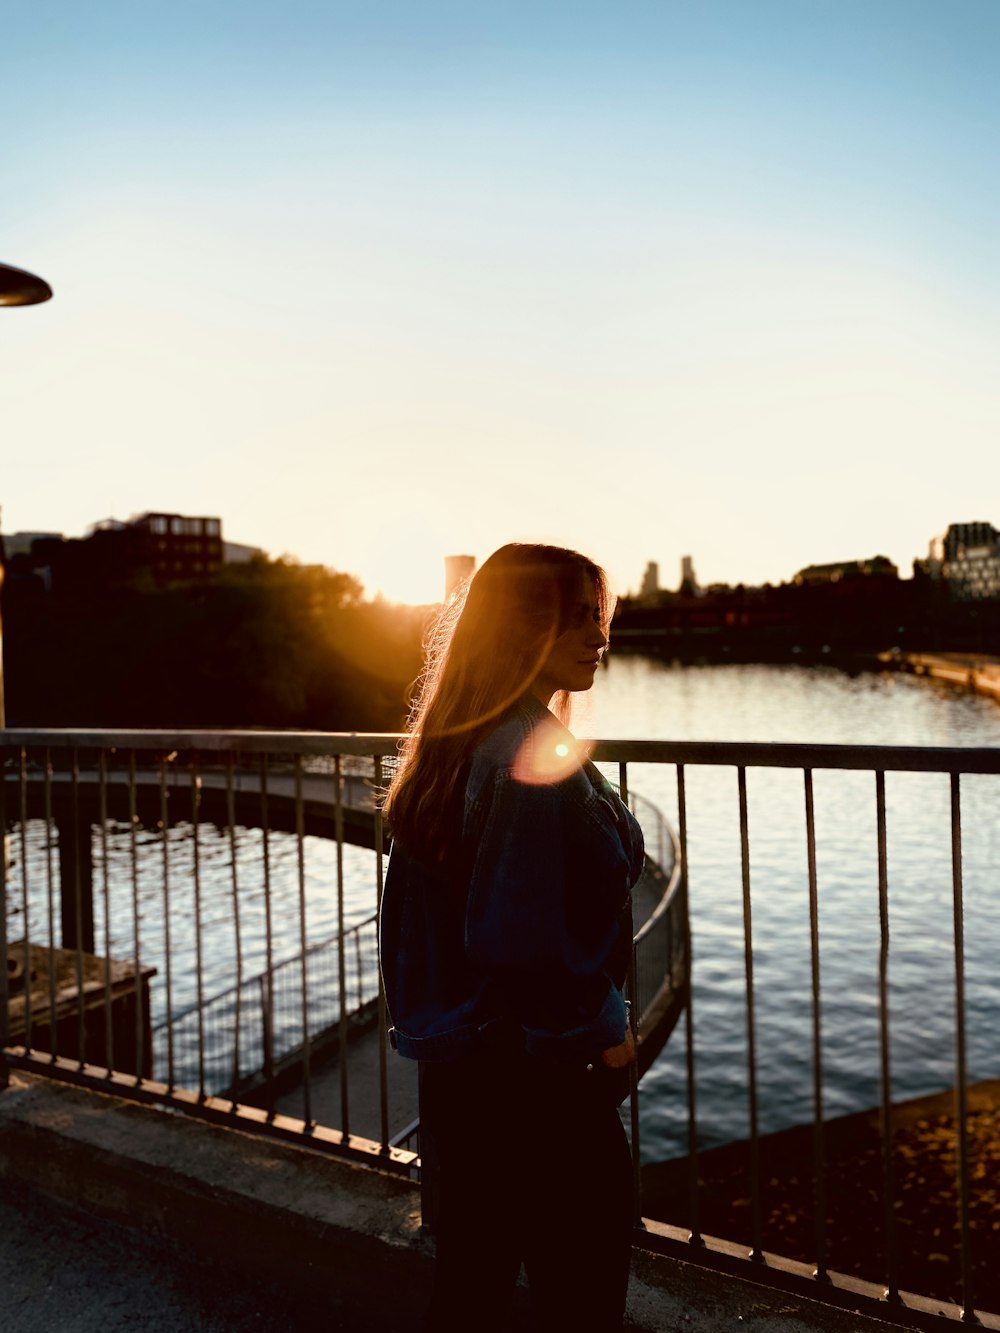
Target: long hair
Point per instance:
(483, 653)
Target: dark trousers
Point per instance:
(533, 1167)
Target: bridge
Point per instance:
(201, 776)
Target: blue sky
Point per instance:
(379, 282)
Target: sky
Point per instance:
(378, 282)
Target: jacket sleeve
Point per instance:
(549, 877)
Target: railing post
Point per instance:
(888, 1174)
(817, 1030)
(755, 1199)
(338, 822)
(633, 1020)
(383, 1018)
(76, 877)
(265, 836)
(237, 936)
(264, 983)
(300, 839)
(694, 1201)
(26, 901)
(961, 1068)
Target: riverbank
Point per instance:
(925, 1194)
(978, 672)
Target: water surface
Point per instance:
(644, 697)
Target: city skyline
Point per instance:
(708, 279)
(454, 566)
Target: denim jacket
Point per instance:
(524, 925)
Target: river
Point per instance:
(643, 697)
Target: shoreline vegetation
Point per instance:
(855, 622)
(267, 643)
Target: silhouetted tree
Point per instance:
(270, 643)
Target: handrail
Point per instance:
(748, 754)
(260, 977)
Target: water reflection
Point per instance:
(642, 697)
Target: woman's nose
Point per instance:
(597, 636)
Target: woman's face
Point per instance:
(574, 656)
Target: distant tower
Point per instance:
(650, 580)
(689, 580)
(457, 568)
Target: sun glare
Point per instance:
(407, 576)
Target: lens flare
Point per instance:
(550, 754)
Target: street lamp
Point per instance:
(20, 288)
(17, 287)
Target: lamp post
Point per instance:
(20, 288)
(17, 287)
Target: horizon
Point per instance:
(672, 279)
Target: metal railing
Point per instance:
(661, 950)
(953, 1294)
(241, 1039)
(199, 933)
(146, 794)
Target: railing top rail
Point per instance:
(749, 754)
(756, 754)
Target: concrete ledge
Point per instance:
(315, 1224)
(344, 1234)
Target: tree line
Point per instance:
(269, 643)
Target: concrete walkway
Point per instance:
(64, 1272)
(363, 1082)
(119, 1216)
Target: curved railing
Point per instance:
(196, 1046)
(245, 1040)
(660, 954)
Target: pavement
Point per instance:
(118, 1216)
(363, 1084)
(63, 1272)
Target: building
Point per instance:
(175, 546)
(650, 580)
(967, 559)
(238, 553)
(21, 543)
(156, 548)
(689, 579)
(879, 566)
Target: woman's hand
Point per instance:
(620, 1057)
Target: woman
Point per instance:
(505, 936)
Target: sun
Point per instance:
(416, 578)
